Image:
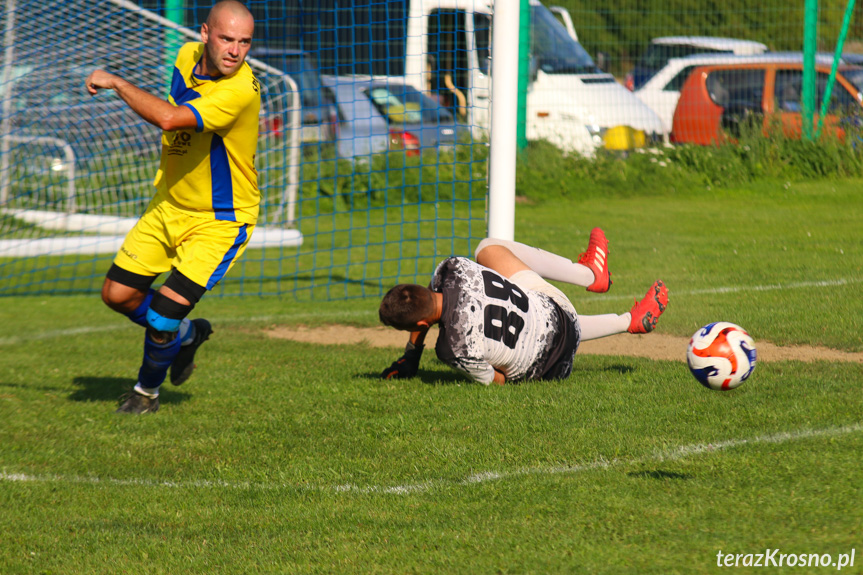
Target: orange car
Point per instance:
(716, 99)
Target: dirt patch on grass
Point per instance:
(651, 346)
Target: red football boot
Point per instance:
(645, 313)
(596, 258)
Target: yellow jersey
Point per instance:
(210, 171)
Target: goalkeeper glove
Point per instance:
(407, 365)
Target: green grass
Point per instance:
(752, 256)
(281, 457)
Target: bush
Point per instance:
(545, 172)
(393, 178)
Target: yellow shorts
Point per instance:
(201, 249)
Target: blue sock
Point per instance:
(158, 357)
(139, 316)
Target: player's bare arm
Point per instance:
(152, 109)
(418, 337)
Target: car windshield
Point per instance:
(855, 76)
(401, 104)
(556, 52)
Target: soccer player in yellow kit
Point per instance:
(206, 203)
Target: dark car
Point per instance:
(320, 116)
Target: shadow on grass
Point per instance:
(616, 367)
(28, 386)
(112, 388)
(456, 378)
(659, 474)
(444, 377)
(427, 376)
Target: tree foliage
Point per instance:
(624, 28)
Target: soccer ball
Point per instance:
(721, 355)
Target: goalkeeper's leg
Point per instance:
(591, 270)
(642, 318)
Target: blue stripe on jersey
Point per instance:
(179, 92)
(183, 95)
(222, 269)
(200, 120)
(220, 176)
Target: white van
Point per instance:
(570, 101)
(442, 48)
(661, 50)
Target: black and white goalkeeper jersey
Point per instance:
(488, 322)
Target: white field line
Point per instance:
(671, 454)
(122, 324)
(739, 289)
(59, 333)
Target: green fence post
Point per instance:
(523, 73)
(810, 41)
(174, 11)
(837, 55)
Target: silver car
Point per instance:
(379, 115)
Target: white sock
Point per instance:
(597, 326)
(151, 392)
(546, 264)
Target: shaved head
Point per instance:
(228, 8)
(227, 37)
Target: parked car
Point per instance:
(661, 50)
(319, 114)
(852, 58)
(662, 91)
(362, 130)
(377, 115)
(571, 102)
(716, 100)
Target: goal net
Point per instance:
(75, 170)
(342, 215)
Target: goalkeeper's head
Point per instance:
(406, 306)
(227, 36)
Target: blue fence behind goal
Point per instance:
(374, 142)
